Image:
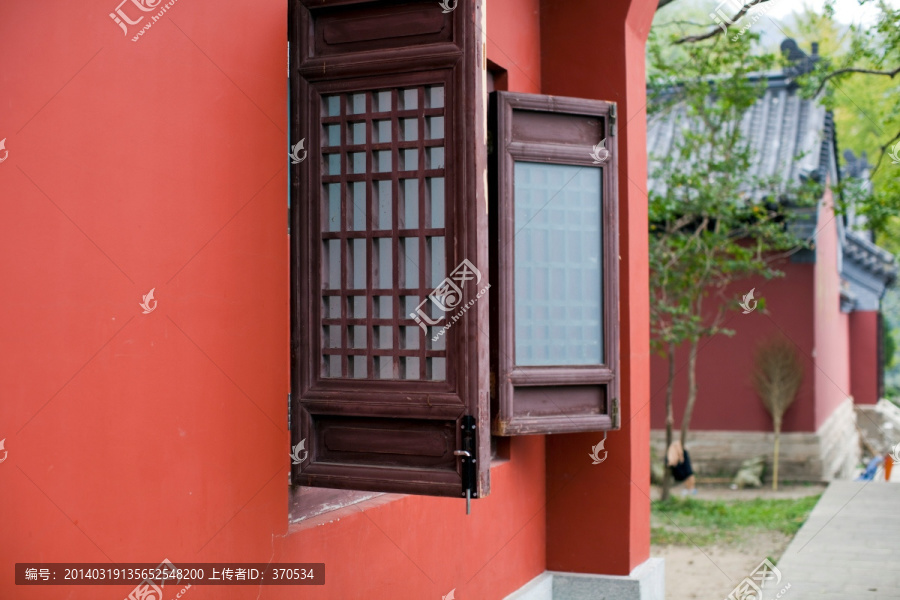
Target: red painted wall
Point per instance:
(804, 306)
(864, 356)
(133, 437)
(514, 42)
(726, 400)
(612, 504)
(832, 350)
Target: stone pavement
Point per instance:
(849, 548)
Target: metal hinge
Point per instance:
(614, 412)
(612, 119)
(289, 61)
(467, 460)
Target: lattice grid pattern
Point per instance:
(558, 265)
(383, 232)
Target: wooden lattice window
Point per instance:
(390, 201)
(383, 232)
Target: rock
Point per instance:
(750, 473)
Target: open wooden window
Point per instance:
(555, 326)
(388, 244)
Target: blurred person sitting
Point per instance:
(679, 461)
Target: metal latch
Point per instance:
(467, 460)
(612, 119)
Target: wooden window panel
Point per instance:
(573, 388)
(378, 405)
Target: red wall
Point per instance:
(832, 350)
(514, 42)
(804, 306)
(726, 400)
(864, 356)
(613, 505)
(133, 437)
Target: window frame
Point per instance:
(334, 50)
(570, 389)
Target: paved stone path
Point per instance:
(849, 548)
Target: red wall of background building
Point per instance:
(832, 349)
(803, 306)
(864, 356)
(135, 437)
(726, 400)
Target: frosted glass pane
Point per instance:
(558, 266)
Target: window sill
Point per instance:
(318, 506)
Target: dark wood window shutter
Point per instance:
(388, 246)
(555, 292)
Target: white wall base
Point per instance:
(646, 582)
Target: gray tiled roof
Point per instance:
(791, 137)
(871, 257)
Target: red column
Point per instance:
(864, 356)
(598, 516)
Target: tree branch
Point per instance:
(883, 151)
(663, 3)
(890, 74)
(722, 28)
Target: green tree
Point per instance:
(859, 78)
(711, 223)
(865, 113)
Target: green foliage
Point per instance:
(702, 522)
(859, 79)
(867, 117)
(890, 308)
(890, 344)
(708, 227)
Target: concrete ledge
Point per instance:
(646, 582)
(539, 588)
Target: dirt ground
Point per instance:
(711, 573)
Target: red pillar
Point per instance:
(598, 516)
(864, 356)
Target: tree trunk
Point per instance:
(692, 391)
(670, 422)
(775, 459)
